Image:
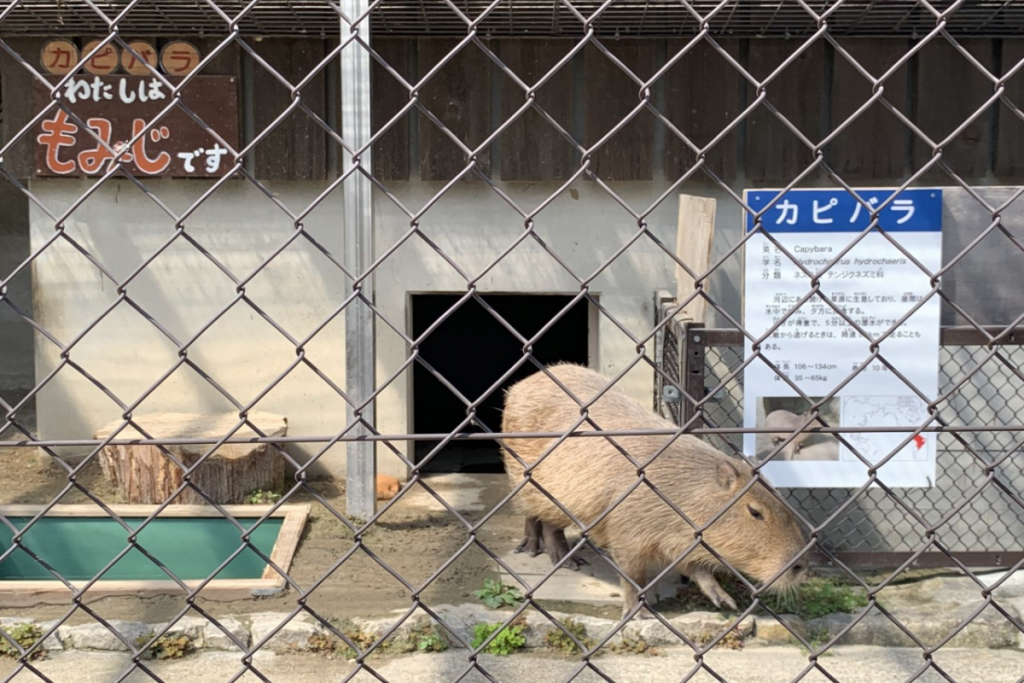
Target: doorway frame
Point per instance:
(593, 347)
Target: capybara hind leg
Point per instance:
(637, 571)
(532, 543)
(558, 549)
(710, 587)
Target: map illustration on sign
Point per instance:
(845, 317)
(886, 411)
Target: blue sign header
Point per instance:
(914, 210)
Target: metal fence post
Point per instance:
(693, 348)
(360, 361)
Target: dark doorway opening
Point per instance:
(471, 349)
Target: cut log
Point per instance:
(145, 474)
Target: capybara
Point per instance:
(540, 537)
(758, 535)
(783, 423)
(387, 487)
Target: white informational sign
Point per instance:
(875, 284)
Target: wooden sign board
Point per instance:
(117, 107)
(132, 64)
(179, 58)
(105, 61)
(59, 57)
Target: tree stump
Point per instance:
(144, 474)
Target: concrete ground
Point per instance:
(752, 665)
(595, 583)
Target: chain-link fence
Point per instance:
(876, 532)
(268, 270)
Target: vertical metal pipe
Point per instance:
(360, 361)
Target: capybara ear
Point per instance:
(728, 475)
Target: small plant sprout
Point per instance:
(25, 635)
(495, 594)
(508, 640)
(261, 497)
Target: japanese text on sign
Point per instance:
(59, 57)
(134, 65)
(879, 287)
(117, 110)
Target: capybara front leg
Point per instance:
(532, 543)
(710, 587)
(558, 549)
(637, 571)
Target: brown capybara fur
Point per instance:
(783, 423)
(387, 487)
(757, 535)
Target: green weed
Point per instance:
(815, 597)
(25, 635)
(495, 594)
(167, 646)
(261, 497)
(508, 640)
(818, 597)
(558, 639)
(633, 646)
(425, 638)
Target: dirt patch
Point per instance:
(429, 547)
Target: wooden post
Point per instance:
(694, 235)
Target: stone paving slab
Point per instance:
(596, 583)
(752, 665)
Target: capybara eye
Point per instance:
(756, 514)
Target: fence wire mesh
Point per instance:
(980, 478)
(972, 520)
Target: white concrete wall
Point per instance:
(183, 290)
(585, 227)
(121, 227)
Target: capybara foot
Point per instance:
(533, 542)
(710, 587)
(531, 546)
(574, 563)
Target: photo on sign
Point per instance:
(784, 415)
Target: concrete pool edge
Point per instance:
(33, 592)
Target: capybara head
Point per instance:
(758, 536)
(783, 423)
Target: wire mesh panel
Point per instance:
(398, 267)
(876, 532)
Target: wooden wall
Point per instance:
(700, 95)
